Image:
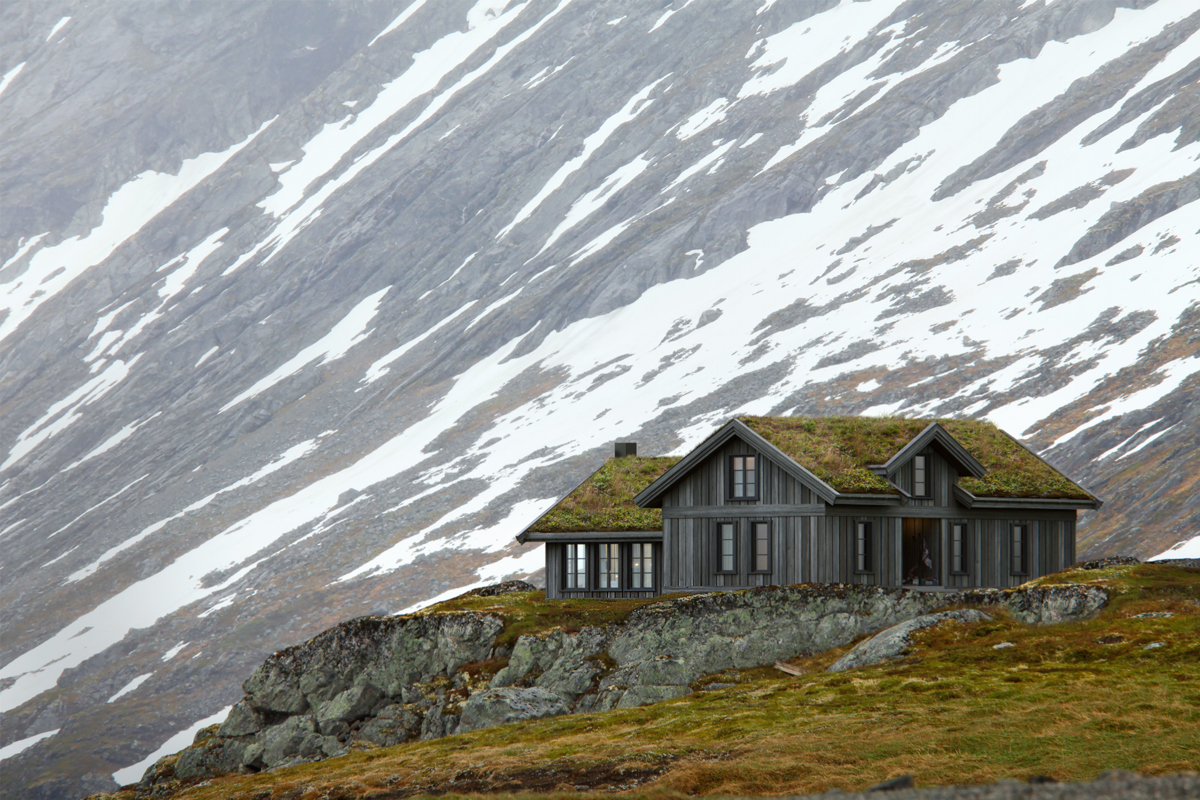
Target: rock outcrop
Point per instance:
(896, 640)
(381, 681)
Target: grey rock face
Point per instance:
(658, 653)
(508, 704)
(242, 721)
(896, 640)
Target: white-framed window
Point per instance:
(1020, 550)
(726, 547)
(641, 565)
(862, 547)
(609, 575)
(920, 476)
(576, 571)
(760, 542)
(958, 548)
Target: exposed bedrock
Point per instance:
(381, 681)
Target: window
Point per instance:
(920, 476)
(642, 565)
(743, 477)
(862, 547)
(610, 566)
(958, 548)
(761, 541)
(726, 547)
(1020, 549)
(576, 572)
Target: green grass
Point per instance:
(1068, 701)
(604, 502)
(838, 450)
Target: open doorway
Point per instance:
(921, 552)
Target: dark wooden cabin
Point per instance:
(929, 504)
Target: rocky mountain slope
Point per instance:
(307, 308)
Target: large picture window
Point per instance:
(1020, 550)
(862, 547)
(642, 565)
(920, 476)
(726, 547)
(609, 566)
(760, 541)
(958, 548)
(743, 477)
(576, 572)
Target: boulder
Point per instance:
(350, 705)
(242, 721)
(507, 704)
(896, 640)
(283, 741)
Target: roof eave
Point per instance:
(1048, 503)
(844, 499)
(591, 536)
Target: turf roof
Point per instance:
(838, 450)
(604, 502)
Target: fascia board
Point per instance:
(723, 434)
(787, 463)
(935, 432)
(595, 536)
(720, 436)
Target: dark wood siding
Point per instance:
(942, 481)
(697, 503)
(707, 483)
(555, 561)
(1051, 545)
(690, 546)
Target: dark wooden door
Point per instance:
(920, 556)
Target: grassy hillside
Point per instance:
(1120, 691)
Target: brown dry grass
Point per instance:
(1069, 701)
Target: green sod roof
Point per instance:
(838, 450)
(604, 502)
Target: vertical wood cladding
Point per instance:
(556, 580)
(815, 542)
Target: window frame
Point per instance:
(568, 574)
(926, 468)
(1016, 553)
(719, 540)
(643, 574)
(961, 556)
(608, 580)
(749, 488)
(864, 550)
(754, 551)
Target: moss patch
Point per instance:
(604, 502)
(838, 450)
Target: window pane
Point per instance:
(920, 476)
(727, 547)
(610, 562)
(862, 547)
(576, 566)
(762, 547)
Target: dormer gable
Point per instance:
(910, 458)
(652, 496)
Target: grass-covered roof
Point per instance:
(839, 450)
(604, 502)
